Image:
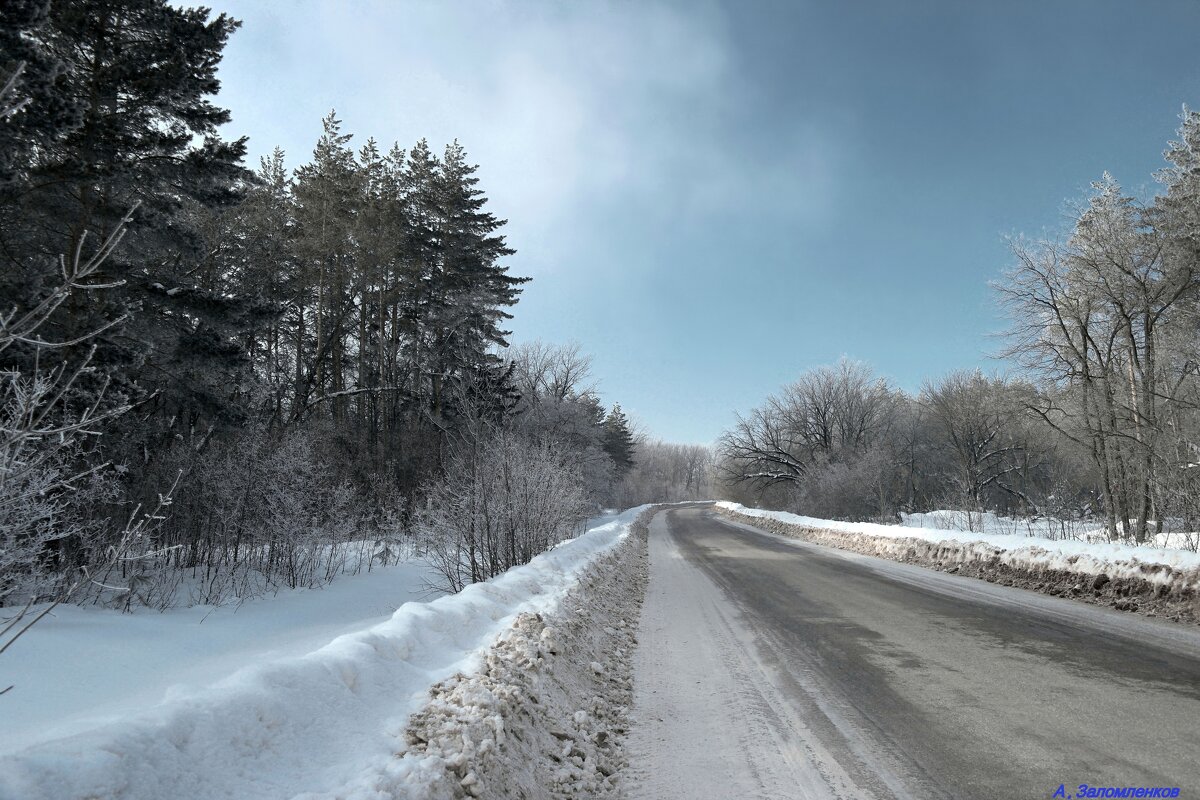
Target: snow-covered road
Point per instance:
(773, 668)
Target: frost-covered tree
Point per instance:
(667, 472)
(137, 76)
(352, 312)
(28, 72)
(327, 193)
(1104, 318)
(503, 501)
(544, 371)
(43, 429)
(981, 425)
(828, 413)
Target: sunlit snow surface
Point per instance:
(1090, 557)
(292, 720)
(85, 666)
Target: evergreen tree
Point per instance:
(473, 287)
(1177, 210)
(40, 113)
(327, 192)
(135, 78)
(260, 260)
(355, 310)
(476, 286)
(422, 268)
(618, 440)
(382, 234)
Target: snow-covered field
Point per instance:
(290, 717)
(85, 667)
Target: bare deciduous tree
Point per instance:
(827, 413)
(545, 371)
(982, 427)
(41, 428)
(1093, 317)
(503, 501)
(665, 472)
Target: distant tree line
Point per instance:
(1101, 421)
(666, 472)
(292, 370)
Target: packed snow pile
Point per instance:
(1152, 580)
(547, 714)
(322, 725)
(991, 522)
(1043, 527)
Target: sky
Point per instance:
(713, 197)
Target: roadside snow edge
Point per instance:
(1152, 581)
(327, 724)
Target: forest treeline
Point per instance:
(218, 380)
(1099, 420)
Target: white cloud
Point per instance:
(566, 106)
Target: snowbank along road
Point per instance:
(773, 668)
(331, 724)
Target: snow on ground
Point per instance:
(1151, 581)
(1156, 565)
(84, 667)
(990, 522)
(546, 716)
(327, 723)
(1042, 527)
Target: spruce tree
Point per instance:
(137, 77)
(474, 288)
(1177, 210)
(618, 440)
(26, 65)
(327, 195)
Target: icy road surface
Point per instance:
(771, 668)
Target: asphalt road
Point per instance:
(773, 668)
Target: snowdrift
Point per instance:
(1162, 582)
(1041, 527)
(547, 715)
(327, 724)
(135, 660)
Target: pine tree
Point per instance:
(473, 287)
(422, 267)
(327, 195)
(40, 114)
(137, 76)
(618, 440)
(260, 260)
